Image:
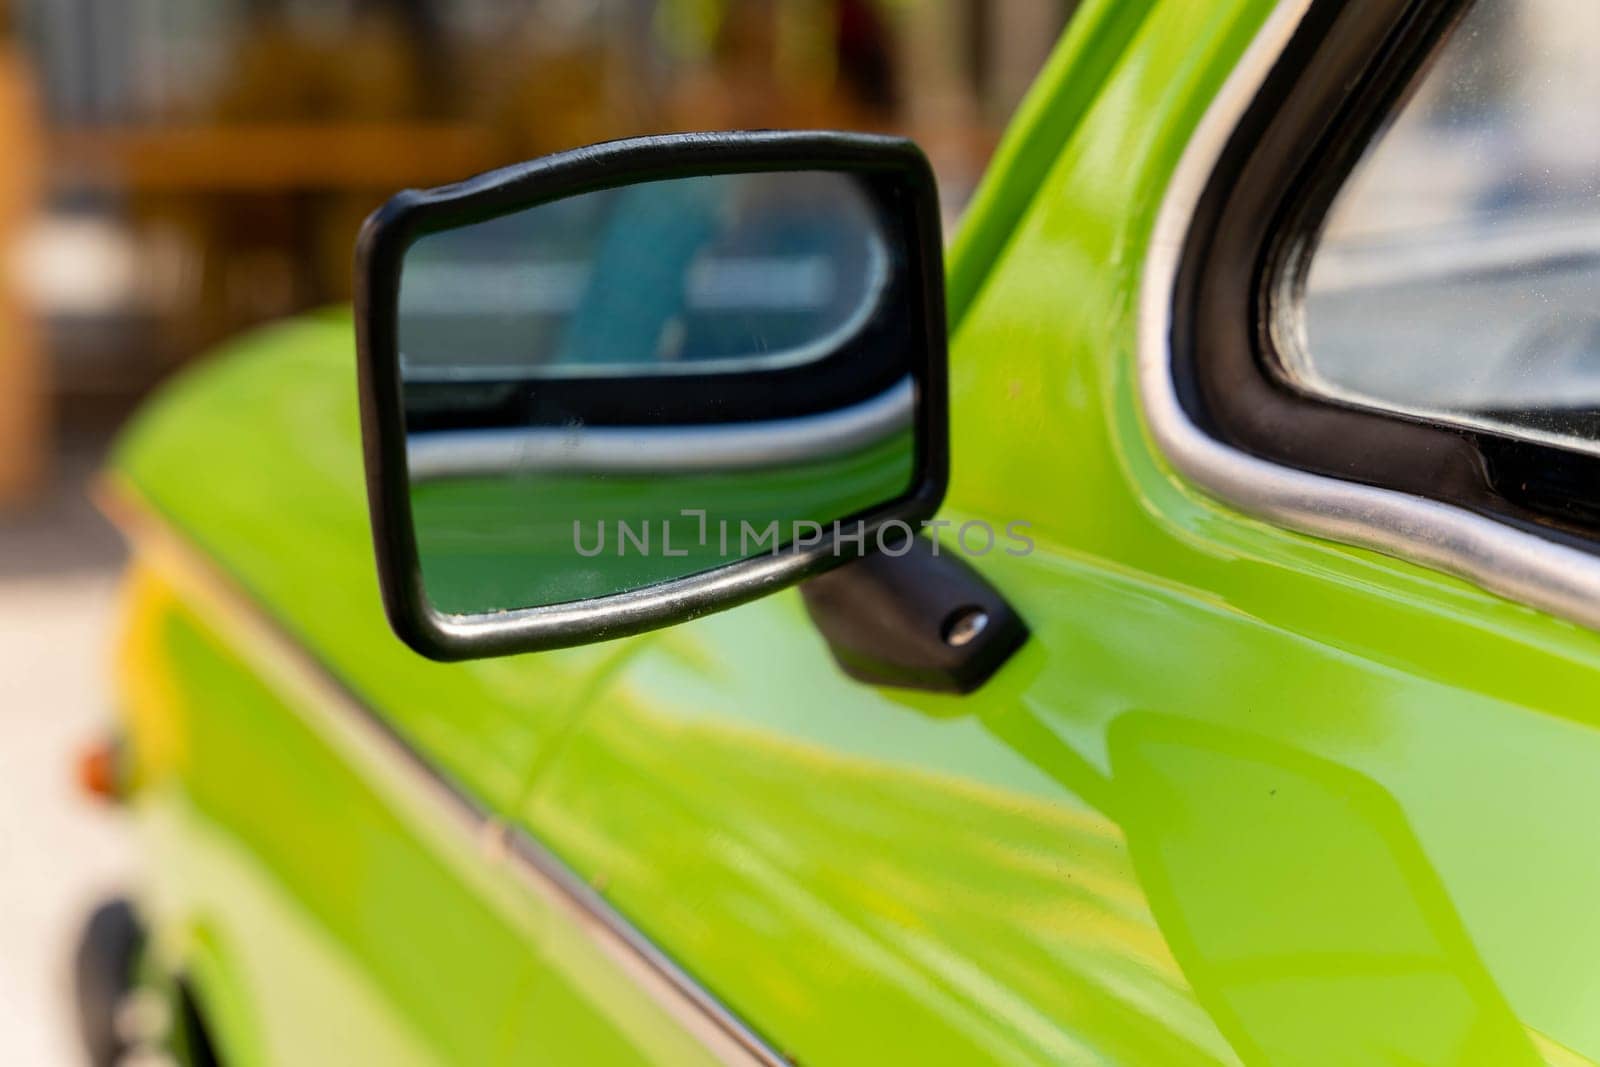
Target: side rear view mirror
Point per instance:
(620, 387)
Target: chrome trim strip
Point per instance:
(736, 446)
(340, 716)
(1522, 566)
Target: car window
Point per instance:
(1458, 275)
(772, 270)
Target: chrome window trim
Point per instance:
(404, 776)
(1520, 566)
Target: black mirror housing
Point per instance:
(902, 186)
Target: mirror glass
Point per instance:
(637, 384)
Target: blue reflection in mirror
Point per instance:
(715, 273)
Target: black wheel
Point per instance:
(103, 972)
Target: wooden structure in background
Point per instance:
(24, 397)
(271, 157)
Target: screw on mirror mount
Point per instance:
(917, 620)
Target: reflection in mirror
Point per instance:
(637, 384)
(713, 273)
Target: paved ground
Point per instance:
(58, 853)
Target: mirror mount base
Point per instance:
(919, 620)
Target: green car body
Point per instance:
(1246, 796)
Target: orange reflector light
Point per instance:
(99, 771)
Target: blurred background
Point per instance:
(173, 172)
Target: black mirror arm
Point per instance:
(918, 620)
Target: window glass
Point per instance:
(725, 273)
(1458, 278)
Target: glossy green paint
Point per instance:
(1245, 796)
(323, 911)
